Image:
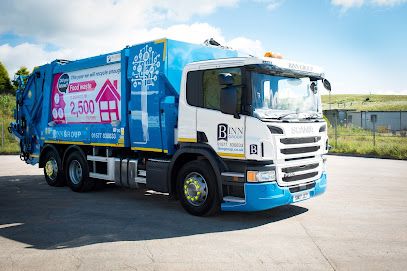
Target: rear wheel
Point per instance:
(77, 173)
(197, 188)
(53, 169)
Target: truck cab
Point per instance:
(263, 119)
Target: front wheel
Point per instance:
(77, 173)
(197, 188)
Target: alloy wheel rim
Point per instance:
(75, 172)
(51, 168)
(195, 189)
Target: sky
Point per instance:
(361, 44)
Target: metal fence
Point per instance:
(368, 135)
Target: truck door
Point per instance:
(224, 132)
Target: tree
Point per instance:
(22, 71)
(5, 84)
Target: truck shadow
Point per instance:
(44, 217)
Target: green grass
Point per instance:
(9, 144)
(7, 105)
(359, 141)
(366, 102)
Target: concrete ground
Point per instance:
(360, 223)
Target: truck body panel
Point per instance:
(99, 100)
(264, 196)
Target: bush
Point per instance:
(382, 129)
(7, 105)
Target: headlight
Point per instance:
(261, 176)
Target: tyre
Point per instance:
(77, 173)
(53, 168)
(197, 188)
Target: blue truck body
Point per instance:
(152, 70)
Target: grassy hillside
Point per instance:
(366, 102)
(7, 105)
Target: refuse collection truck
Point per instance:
(211, 127)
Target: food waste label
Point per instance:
(87, 96)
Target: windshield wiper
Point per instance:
(313, 116)
(286, 115)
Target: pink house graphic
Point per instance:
(108, 98)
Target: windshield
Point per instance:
(278, 97)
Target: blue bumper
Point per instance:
(263, 196)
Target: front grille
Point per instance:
(300, 150)
(302, 165)
(299, 168)
(299, 177)
(299, 158)
(300, 140)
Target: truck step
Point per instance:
(234, 199)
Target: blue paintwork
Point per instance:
(162, 100)
(264, 196)
(168, 59)
(85, 63)
(146, 68)
(181, 53)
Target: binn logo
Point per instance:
(226, 132)
(223, 131)
(253, 148)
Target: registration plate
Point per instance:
(301, 196)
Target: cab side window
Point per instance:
(203, 88)
(212, 89)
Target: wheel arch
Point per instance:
(44, 150)
(189, 152)
(71, 149)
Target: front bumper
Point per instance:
(263, 196)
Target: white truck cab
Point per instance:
(263, 117)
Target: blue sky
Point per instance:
(361, 44)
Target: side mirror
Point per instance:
(326, 84)
(225, 79)
(228, 100)
(228, 94)
(314, 87)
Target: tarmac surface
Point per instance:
(360, 223)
